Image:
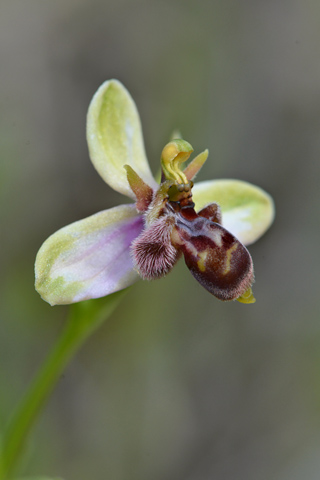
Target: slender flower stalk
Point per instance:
(83, 320)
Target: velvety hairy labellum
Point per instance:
(220, 263)
(215, 257)
(153, 253)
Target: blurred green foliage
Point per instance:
(176, 385)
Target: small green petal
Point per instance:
(197, 163)
(115, 138)
(141, 190)
(247, 210)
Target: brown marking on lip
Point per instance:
(219, 262)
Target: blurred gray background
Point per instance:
(176, 385)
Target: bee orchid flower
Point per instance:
(208, 224)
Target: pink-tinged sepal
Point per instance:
(89, 258)
(153, 253)
(220, 263)
(212, 212)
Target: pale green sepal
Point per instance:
(89, 258)
(247, 210)
(115, 138)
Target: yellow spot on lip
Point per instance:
(228, 259)
(247, 297)
(202, 261)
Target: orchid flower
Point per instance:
(209, 223)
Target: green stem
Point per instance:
(84, 319)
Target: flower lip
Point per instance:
(218, 261)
